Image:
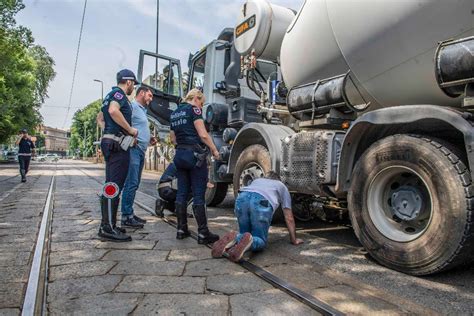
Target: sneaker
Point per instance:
(237, 252)
(220, 246)
(23, 180)
(131, 222)
(138, 219)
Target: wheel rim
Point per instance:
(399, 203)
(251, 171)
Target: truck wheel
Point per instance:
(410, 204)
(216, 194)
(254, 162)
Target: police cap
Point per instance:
(126, 74)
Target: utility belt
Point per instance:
(124, 141)
(200, 153)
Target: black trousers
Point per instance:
(24, 162)
(117, 161)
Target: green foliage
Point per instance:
(25, 73)
(84, 129)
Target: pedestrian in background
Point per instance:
(193, 143)
(143, 98)
(254, 209)
(116, 119)
(25, 148)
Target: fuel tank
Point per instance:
(389, 46)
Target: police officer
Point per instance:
(25, 147)
(193, 143)
(116, 118)
(167, 190)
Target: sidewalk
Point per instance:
(155, 273)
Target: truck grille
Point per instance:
(309, 160)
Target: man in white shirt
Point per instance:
(137, 156)
(254, 209)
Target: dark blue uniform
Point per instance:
(24, 156)
(116, 159)
(190, 177)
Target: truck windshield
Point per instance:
(197, 76)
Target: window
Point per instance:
(157, 74)
(198, 72)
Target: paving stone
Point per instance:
(133, 245)
(190, 254)
(149, 268)
(105, 304)
(74, 245)
(210, 267)
(237, 283)
(30, 238)
(158, 236)
(11, 294)
(268, 258)
(161, 284)
(302, 276)
(158, 227)
(22, 246)
(14, 258)
(348, 300)
(77, 270)
(66, 289)
(271, 302)
(183, 304)
(74, 256)
(63, 222)
(74, 228)
(173, 244)
(14, 274)
(137, 255)
(72, 236)
(9, 311)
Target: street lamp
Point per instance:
(97, 125)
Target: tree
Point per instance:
(25, 73)
(83, 129)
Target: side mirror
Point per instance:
(221, 86)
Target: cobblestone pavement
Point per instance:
(21, 206)
(333, 266)
(158, 274)
(153, 274)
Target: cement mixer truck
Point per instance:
(364, 108)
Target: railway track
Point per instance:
(260, 272)
(35, 297)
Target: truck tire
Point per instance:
(411, 205)
(254, 162)
(216, 194)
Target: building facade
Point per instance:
(56, 141)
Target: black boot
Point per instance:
(107, 229)
(116, 202)
(182, 216)
(159, 207)
(204, 235)
(23, 175)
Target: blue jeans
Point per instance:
(134, 175)
(190, 178)
(254, 214)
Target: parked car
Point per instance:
(12, 156)
(48, 157)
